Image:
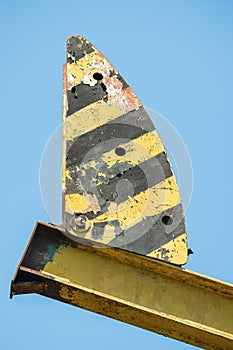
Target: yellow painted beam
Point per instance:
(135, 289)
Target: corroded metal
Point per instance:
(117, 180)
(147, 293)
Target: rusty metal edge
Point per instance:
(22, 258)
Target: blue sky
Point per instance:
(177, 56)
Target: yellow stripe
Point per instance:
(175, 250)
(153, 201)
(77, 203)
(137, 150)
(90, 118)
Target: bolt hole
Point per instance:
(167, 220)
(73, 90)
(120, 151)
(97, 76)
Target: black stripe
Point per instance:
(151, 233)
(83, 95)
(129, 126)
(77, 47)
(138, 178)
(82, 144)
(135, 180)
(138, 117)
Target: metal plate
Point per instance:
(118, 185)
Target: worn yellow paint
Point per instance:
(82, 70)
(106, 278)
(138, 290)
(89, 118)
(137, 150)
(150, 202)
(175, 250)
(85, 65)
(119, 99)
(146, 290)
(77, 203)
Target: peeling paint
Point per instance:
(115, 168)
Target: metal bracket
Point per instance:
(118, 185)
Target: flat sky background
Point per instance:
(178, 58)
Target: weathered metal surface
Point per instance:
(118, 185)
(148, 293)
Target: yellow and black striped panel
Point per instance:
(118, 185)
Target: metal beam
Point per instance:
(150, 294)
